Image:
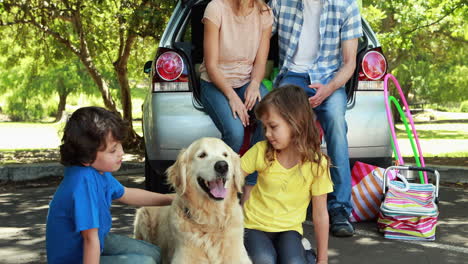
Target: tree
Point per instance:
(102, 34)
(35, 71)
(425, 42)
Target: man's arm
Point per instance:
(91, 247)
(140, 197)
(349, 49)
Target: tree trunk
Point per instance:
(82, 52)
(134, 142)
(125, 96)
(88, 61)
(63, 94)
(61, 106)
(100, 82)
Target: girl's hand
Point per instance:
(239, 110)
(322, 262)
(323, 92)
(252, 94)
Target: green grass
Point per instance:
(30, 136)
(75, 101)
(47, 135)
(437, 140)
(437, 131)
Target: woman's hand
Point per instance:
(239, 109)
(252, 94)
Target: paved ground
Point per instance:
(24, 209)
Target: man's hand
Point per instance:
(252, 94)
(322, 93)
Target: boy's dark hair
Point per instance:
(85, 133)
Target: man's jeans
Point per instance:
(232, 131)
(331, 115)
(124, 250)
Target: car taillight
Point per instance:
(170, 72)
(169, 66)
(372, 70)
(374, 65)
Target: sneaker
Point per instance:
(339, 223)
(306, 244)
(309, 253)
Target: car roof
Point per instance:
(188, 2)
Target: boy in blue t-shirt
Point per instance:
(79, 218)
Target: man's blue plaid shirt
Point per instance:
(339, 21)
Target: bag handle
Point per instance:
(399, 176)
(386, 180)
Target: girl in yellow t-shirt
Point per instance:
(292, 171)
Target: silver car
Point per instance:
(173, 116)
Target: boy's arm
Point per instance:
(140, 197)
(91, 247)
(321, 224)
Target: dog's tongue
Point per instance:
(217, 188)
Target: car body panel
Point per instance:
(176, 123)
(173, 120)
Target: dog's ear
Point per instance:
(177, 173)
(238, 174)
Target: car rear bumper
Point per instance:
(172, 123)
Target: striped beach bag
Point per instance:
(409, 211)
(366, 191)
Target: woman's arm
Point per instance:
(211, 57)
(91, 247)
(252, 94)
(321, 226)
(140, 197)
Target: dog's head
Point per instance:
(209, 165)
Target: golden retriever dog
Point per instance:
(204, 224)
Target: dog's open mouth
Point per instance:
(216, 189)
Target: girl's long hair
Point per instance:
(260, 4)
(291, 102)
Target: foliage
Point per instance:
(425, 42)
(464, 107)
(33, 77)
(111, 38)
